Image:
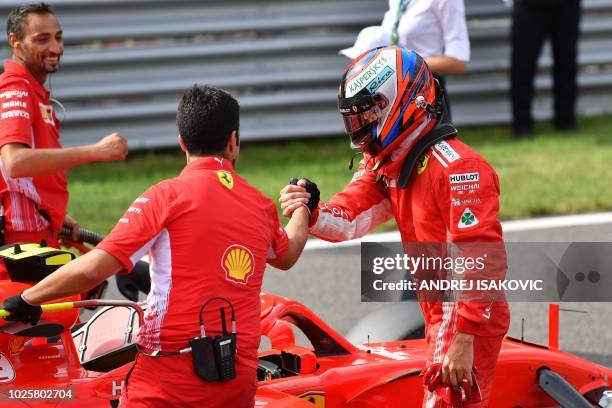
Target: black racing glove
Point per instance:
(313, 190)
(21, 311)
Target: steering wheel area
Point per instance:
(297, 339)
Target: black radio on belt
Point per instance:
(213, 358)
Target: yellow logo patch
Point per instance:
(317, 398)
(46, 111)
(422, 163)
(225, 177)
(238, 263)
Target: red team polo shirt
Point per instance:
(208, 233)
(27, 117)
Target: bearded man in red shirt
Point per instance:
(33, 187)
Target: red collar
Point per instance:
(13, 68)
(209, 163)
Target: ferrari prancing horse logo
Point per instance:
(422, 163)
(225, 177)
(46, 112)
(317, 398)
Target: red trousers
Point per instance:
(486, 349)
(171, 381)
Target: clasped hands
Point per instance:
(298, 193)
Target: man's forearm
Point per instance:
(25, 162)
(297, 232)
(76, 277)
(444, 64)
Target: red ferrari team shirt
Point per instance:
(27, 118)
(209, 234)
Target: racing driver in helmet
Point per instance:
(437, 188)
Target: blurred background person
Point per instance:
(532, 22)
(435, 29)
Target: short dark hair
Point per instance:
(14, 22)
(206, 118)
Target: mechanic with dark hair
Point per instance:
(33, 187)
(209, 234)
(436, 187)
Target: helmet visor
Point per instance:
(360, 115)
(354, 123)
(365, 140)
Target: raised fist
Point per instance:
(112, 147)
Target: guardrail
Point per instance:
(126, 64)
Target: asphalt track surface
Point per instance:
(327, 280)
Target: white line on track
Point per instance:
(508, 226)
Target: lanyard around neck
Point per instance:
(401, 8)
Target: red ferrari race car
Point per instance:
(303, 361)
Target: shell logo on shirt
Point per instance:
(238, 263)
(225, 177)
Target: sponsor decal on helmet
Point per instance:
(380, 80)
(468, 219)
(225, 177)
(370, 72)
(447, 151)
(238, 263)
(464, 178)
(423, 161)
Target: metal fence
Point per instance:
(127, 62)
